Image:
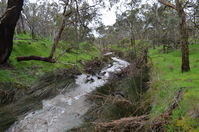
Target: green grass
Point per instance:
(167, 79)
(27, 71)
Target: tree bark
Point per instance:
(58, 35)
(7, 27)
(179, 7)
(184, 37)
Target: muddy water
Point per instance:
(64, 111)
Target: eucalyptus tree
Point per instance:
(133, 21)
(66, 12)
(193, 16)
(7, 27)
(11, 16)
(127, 27)
(75, 12)
(78, 27)
(127, 23)
(161, 25)
(32, 20)
(179, 6)
(41, 19)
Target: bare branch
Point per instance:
(167, 3)
(186, 3)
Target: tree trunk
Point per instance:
(7, 27)
(22, 24)
(58, 36)
(33, 33)
(55, 44)
(184, 38)
(132, 41)
(183, 32)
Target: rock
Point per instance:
(90, 80)
(98, 77)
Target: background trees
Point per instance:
(160, 25)
(153, 22)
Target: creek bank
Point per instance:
(16, 99)
(64, 111)
(123, 96)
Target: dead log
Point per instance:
(138, 123)
(124, 123)
(46, 59)
(163, 119)
(27, 58)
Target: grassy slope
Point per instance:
(168, 79)
(27, 72)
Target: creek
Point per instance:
(65, 111)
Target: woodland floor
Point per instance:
(167, 79)
(166, 82)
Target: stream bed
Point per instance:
(64, 111)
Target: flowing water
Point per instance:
(64, 111)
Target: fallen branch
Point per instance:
(163, 119)
(27, 58)
(130, 122)
(137, 123)
(46, 59)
